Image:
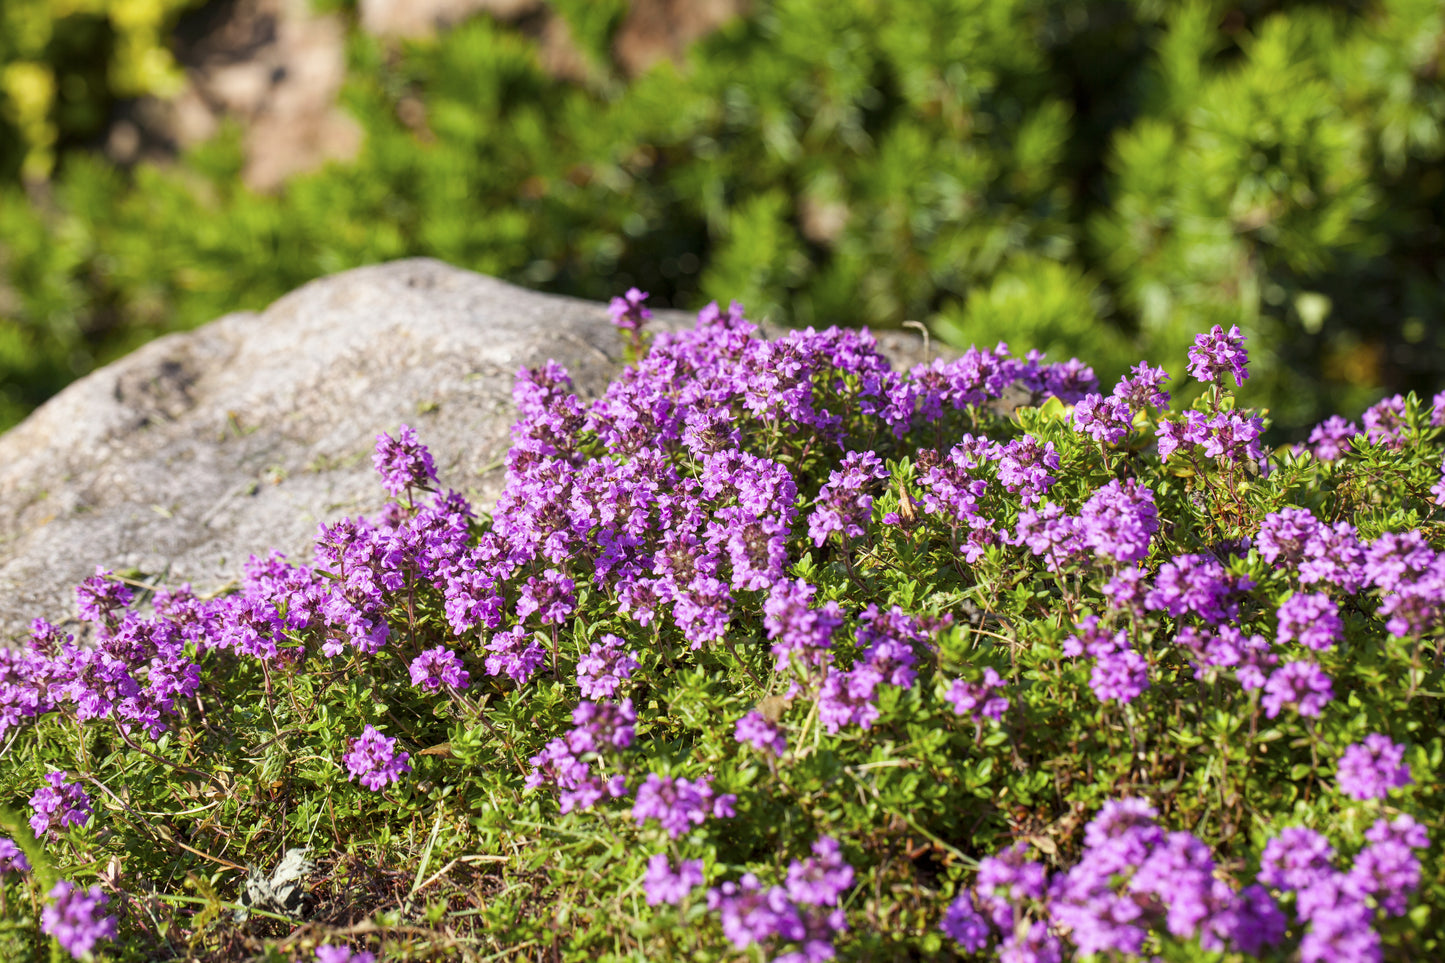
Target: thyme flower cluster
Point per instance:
(734, 501)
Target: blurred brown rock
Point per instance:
(423, 18)
(663, 29)
(271, 65)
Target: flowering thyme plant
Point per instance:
(775, 651)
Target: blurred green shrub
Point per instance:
(1101, 178)
(63, 63)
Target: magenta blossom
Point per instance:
(437, 667)
(374, 760)
(662, 885)
(74, 918)
(58, 806)
(757, 731)
(1370, 769)
(1216, 353)
(1303, 685)
(629, 312)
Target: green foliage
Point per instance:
(1104, 173)
(64, 62)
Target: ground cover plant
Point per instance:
(773, 652)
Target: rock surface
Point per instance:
(199, 449)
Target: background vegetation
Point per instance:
(1103, 178)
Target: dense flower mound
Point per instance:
(774, 650)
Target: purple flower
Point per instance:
(1006, 879)
(1303, 685)
(514, 653)
(601, 672)
(552, 596)
(1034, 945)
(1106, 420)
(1416, 607)
(965, 925)
(662, 885)
(1085, 900)
(751, 914)
(1198, 584)
(679, 804)
(1049, 532)
(1339, 922)
(1385, 422)
(72, 917)
(1231, 437)
(1295, 859)
(1024, 466)
(374, 760)
(1369, 770)
(844, 503)
(100, 597)
(1126, 591)
(1389, 871)
(1253, 922)
(1331, 438)
(821, 879)
(1313, 619)
(1179, 872)
(566, 762)
(979, 699)
(953, 484)
(602, 726)
(888, 638)
(1119, 673)
(46, 640)
(1119, 519)
(1333, 555)
(342, 954)
(1216, 353)
(12, 860)
(403, 463)
(58, 806)
(1174, 435)
(977, 376)
(437, 667)
(1144, 387)
(1069, 381)
(1402, 829)
(549, 416)
(1133, 879)
(796, 627)
(24, 687)
(1397, 558)
(1123, 819)
(702, 610)
(629, 312)
(764, 736)
(1227, 647)
(1386, 867)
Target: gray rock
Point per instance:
(199, 449)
